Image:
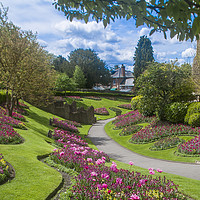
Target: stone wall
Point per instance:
(71, 112)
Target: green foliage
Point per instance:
(180, 17)
(94, 69)
(79, 77)
(176, 112)
(2, 96)
(143, 55)
(135, 102)
(194, 119)
(162, 84)
(116, 110)
(64, 83)
(193, 114)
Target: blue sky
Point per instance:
(114, 44)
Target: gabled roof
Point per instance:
(118, 74)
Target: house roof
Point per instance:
(129, 82)
(118, 74)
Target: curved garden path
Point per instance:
(104, 143)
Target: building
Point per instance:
(122, 80)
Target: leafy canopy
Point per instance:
(181, 17)
(143, 55)
(162, 84)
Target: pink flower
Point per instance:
(151, 172)
(159, 170)
(99, 161)
(143, 181)
(103, 158)
(104, 185)
(134, 196)
(61, 153)
(93, 174)
(131, 163)
(119, 180)
(89, 159)
(150, 169)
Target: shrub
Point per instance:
(192, 114)
(135, 102)
(116, 110)
(2, 97)
(176, 112)
(194, 119)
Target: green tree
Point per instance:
(62, 65)
(24, 66)
(64, 83)
(143, 55)
(162, 84)
(94, 69)
(79, 77)
(181, 17)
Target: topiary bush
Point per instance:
(192, 116)
(194, 119)
(176, 112)
(135, 102)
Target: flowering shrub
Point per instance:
(4, 170)
(126, 106)
(150, 134)
(65, 137)
(131, 118)
(22, 105)
(166, 143)
(21, 111)
(128, 130)
(65, 124)
(77, 98)
(101, 111)
(8, 135)
(191, 147)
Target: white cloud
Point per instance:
(190, 52)
(144, 31)
(42, 43)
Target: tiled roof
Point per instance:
(118, 74)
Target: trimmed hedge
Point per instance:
(116, 110)
(193, 114)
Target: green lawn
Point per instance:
(143, 149)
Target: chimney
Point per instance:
(123, 70)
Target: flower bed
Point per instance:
(12, 122)
(93, 98)
(166, 143)
(64, 124)
(191, 147)
(76, 98)
(131, 118)
(125, 106)
(4, 170)
(150, 134)
(22, 105)
(65, 137)
(97, 181)
(130, 130)
(8, 135)
(101, 111)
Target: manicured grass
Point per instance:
(33, 179)
(143, 149)
(107, 103)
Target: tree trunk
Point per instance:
(9, 103)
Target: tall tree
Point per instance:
(181, 17)
(79, 77)
(24, 65)
(143, 55)
(162, 84)
(94, 69)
